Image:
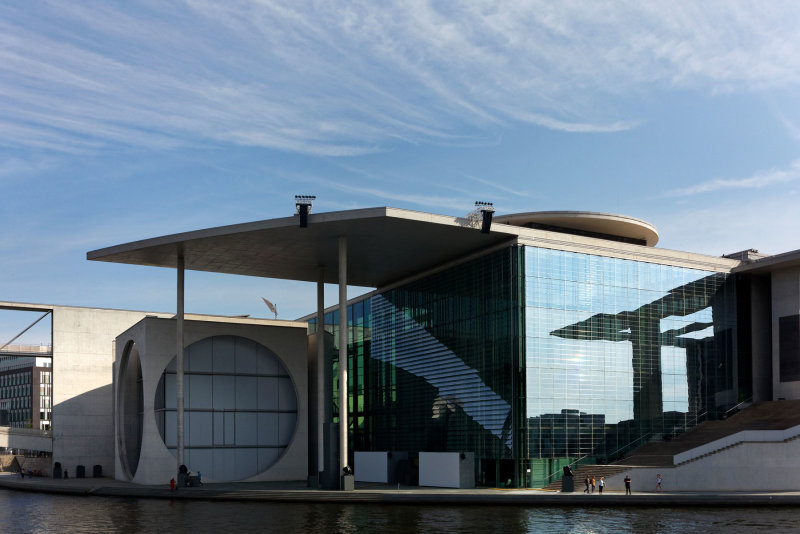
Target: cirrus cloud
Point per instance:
(346, 78)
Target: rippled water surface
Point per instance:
(35, 512)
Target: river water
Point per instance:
(35, 512)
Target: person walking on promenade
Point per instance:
(593, 483)
(659, 480)
(628, 485)
(586, 481)
(602, 483)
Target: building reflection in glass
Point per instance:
(638, 345)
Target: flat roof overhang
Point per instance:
(786, 260)
(384, 245)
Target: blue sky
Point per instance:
(126, 120)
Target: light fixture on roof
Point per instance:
(303, 205)
(487, 211)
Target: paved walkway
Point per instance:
(383, 494)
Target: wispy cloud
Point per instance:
(791, 126)
(15, 168)
(757, 181)
(735, 224)
(344, 78)
(492, 183)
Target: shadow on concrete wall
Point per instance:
(83, 431)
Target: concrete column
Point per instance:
(343, 341)
(322, 399)
(179, 359)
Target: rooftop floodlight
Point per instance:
(487, 211)
(303, 205)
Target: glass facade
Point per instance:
(620, 352)
(534, 358)
(441, 356)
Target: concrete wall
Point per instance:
(750, 466)
(377, 466)
(155, 341)
(83, 415)
(447, 469)
(371, 466)
(785, 301)
(25, 438)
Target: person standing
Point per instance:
(586, 481)
(659, 480)
(593, 483)
(601, 484)
(628, 485)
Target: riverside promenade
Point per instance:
(383, 494)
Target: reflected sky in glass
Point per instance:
(591, 369)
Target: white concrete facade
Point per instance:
(154, 341)
(25, 438)
(447, 469)
(377, 466)
(83, 415)
(751, 466)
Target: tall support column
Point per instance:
(322, 399)
(179, 359)
(343, 341)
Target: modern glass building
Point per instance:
(537, 341)
(534, 358)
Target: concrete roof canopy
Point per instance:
(383, 245)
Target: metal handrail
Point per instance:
(736, 407)
(551, 476)
(628, 445)
(685, 426)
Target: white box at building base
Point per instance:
(377, 466)
(447, 469)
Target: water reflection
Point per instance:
(31, 512)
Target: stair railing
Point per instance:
(632, 445)
(686, 426)
(736, 408)
(558, 474)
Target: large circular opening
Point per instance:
(130, 408)
(240, 408)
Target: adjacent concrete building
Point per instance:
(245, 400)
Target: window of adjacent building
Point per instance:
(789, 347)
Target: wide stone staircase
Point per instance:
(773, 415)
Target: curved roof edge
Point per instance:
(593, 224)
